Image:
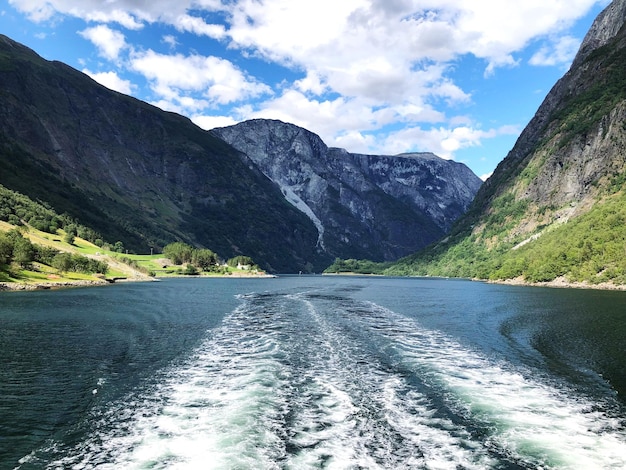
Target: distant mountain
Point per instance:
(556, 205)
(364, 206)
(146, 177)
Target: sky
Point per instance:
(459, 78)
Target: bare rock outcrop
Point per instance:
(364, 206)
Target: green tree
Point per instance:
(6, 249)
(204, 259)
(62, 262)
(178, 252)
(70, 234)
(14, 234)
(190, 270)
(23, 252)
(45, 254)
(96, 266)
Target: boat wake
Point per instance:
(318, 380)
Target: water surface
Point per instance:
(313, 372)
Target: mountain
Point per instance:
(364, 206)
(146, 177)
(136, 173)
(555, 207)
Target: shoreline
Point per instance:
(558, 283)
(31, 286)
(50, 285)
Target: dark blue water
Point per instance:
(313, 372)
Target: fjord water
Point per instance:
(313, 372)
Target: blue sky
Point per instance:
(458, 78)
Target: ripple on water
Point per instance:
(298, 381)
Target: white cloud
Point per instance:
(372, 48)
(181, 104)
(217, 80)
(328, 118)
(211, 122)
(311, 83)
(170, 40)
(299, 31)
(356, 125)
(125, 19)
(378, 49)
(196, 25)
(560, 51)
(442, 141)
(112, 81)
(109, 42)
(36, 10)
(367, 75)
(356, 142)
(132, 14)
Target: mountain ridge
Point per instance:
(375, 206)
(566, 167)
(148, 177)
(134, 172)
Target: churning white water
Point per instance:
(318, 380)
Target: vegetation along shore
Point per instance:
(40, 249)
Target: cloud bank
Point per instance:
(367, 75)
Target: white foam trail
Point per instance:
(302, 382)
(222, 409)
(441, 449)
(363, 417)
(539, 423)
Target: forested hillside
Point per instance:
(555, 208)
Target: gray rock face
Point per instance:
(573, 148)
(364, 206)
(604, 28)
(146, 177)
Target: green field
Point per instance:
(121, 266)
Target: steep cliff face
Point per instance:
(575, 141)
(136, 173)
(567, 167)
(603, 30)
(364, 206)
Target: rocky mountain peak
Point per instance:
(589, 91)
(262, 188)
(604, 28)
(364, 206)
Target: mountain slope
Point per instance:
(147, 177)
(364, 206)
(136, 173)
(553, 207)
